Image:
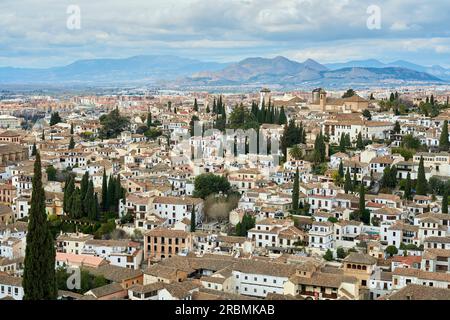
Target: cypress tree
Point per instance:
(195, 105)
(76, 209)
(84, 185)
(348, 182)
(359, 142)
(71, 143)
(105, 205)
(421, 185)
(193, 223)
(407, 194)
(43, 135)
(362, 199)
(355, 180)
(110, 194)
(443, 140)
(69, 188)
(71, 128)
(117, 193)
(445, 201)
(97, 207)
(341, 170)
(296, 191)
(34, 151)
(88, 202)
(282, 118)
(342, 144)
(39, 281)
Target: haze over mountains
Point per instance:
(167, 70)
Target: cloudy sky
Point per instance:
(35, 33)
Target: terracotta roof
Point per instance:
(360, 258)
(418, 292)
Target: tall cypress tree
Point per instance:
(71, 128)
(445, 201)
(348, 187)
(84, 185)
(282, 118)
(34, 151)
(76, 208)
(110, 194)
(421, 185)
(39, 281)
(443, 140)
(359, 142)
(193, 223)
(69, 188)
(407, 194)
(105, 205)
(195, 105)
(362, 198)
(71, 143)
(88, 203)
(296, 191)
(341, 169)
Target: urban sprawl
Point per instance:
(322, 195)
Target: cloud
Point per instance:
(32, 32)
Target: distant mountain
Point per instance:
(138, 68)
(172, 71)
(436, 71)
(285, 72)
(276, 70)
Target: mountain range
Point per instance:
(183, 72)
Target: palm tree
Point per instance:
(296, 152)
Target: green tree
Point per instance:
(340, 253)
(195, 105)
(366, 114)
(421, 184)
(349, 93)
(39, 280)
(105, 204)
(113, 124)
(397, 127)
(359, 142)
(51, 173)
(34, 151)
(328, 256)
(71, 143)
(241, 118)
(193, 219)
(296, 191)
(341, 169)
(443, 140)
(84, 185)
(247, 223)
(296, 152)
(209, 183)
(282, 119)
(88, 202)
(391, 250)
(55, 119)
(69, 188)
(408, 195)
(445, 201)
(76, 209)
(71, 129)
(362, 198)
(348, 186)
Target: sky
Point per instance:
(49, 33)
